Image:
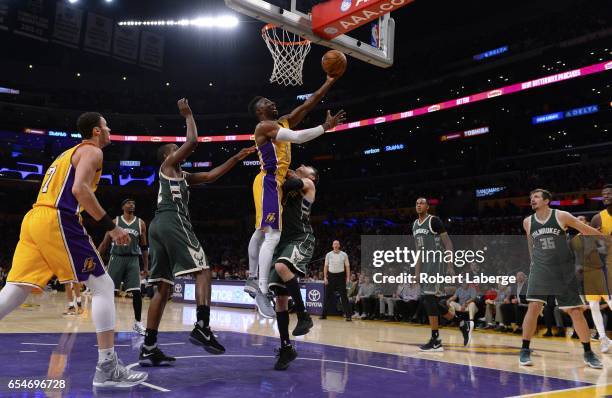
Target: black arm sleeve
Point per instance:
(293, 184)
(437, 226)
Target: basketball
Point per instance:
(334, 63)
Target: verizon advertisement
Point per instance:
(335, 18)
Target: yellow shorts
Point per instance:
(267, 195)
(597, 297)
(51, 243)
(595, 287)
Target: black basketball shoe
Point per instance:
(466, 328)
(285, 355)
(154, 357)
(205, 337)
(433, 345)
(304, 324)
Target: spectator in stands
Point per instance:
(552, 314)
(514, 308)
(408, 301)
(352, 289)
(494, 307)
(463, 301)
(365, 298)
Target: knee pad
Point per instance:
(272, 236)
(100, 285)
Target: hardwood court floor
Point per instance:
(360, 358)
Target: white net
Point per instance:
(288, 52)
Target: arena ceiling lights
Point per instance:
(222, 22)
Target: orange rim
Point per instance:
(267, 37)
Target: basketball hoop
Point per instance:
(288, 52)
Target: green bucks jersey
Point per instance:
(173, 195)
(427, 233)
(132, 228)
(296, 216)
(550, 244)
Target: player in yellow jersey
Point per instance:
(603, 219)
(54, 242)
(273, 138)
(600, 288)
(595, 274)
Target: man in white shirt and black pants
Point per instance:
(336, 273)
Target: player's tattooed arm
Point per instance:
(214, 174)
(299, 113)
(191, 137)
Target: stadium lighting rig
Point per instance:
(223, 22)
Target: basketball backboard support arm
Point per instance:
(300, 24)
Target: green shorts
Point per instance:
(126, 270)
(433, 270)
(174, 248)
(560, 282)
(295, 254)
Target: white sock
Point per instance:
(11, 297)
(78, 300)
(254, 246)
(272, 237)
(71, 304)
(597, 318)
(102, 302)
(105, 354)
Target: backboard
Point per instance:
(300, 22)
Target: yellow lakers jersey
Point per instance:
(606, 222)
(275, 156)
(56, 189)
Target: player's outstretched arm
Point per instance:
(299, 113)
(191, 141)
(570, 221)
(86, 160)
(273, 131)
(214, 174)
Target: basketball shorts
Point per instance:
(295, 254)
(597, 283)
(560, 282)
(52, 242)
(125, 270)
(432, 270)
(174, 248)
(267, 195)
